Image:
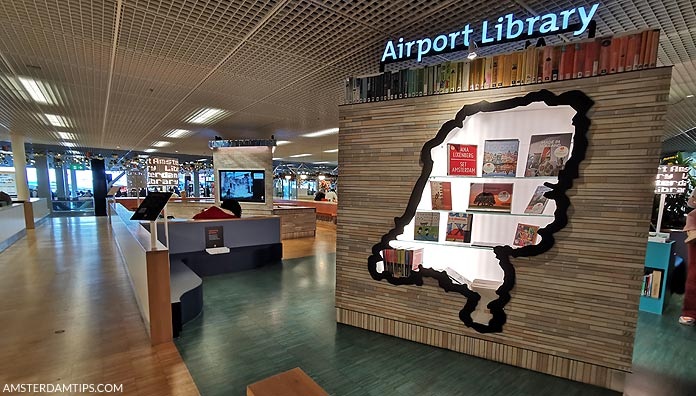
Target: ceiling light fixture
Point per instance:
(282, 142)
(303, 177)
(69, 144)
(276, 159)
(288, 177)
(322, 162)
(205, 116)
(34, 89)
(331, 151)
(178, 133)
(321, 133)
(150, 150)
(322, 177)
(689, 96)
(161, 143)
(66, 136)
(56, 120)
(300, 155)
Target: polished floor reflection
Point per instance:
(68, 315)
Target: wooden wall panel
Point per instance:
(574, 309)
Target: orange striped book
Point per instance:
(623, 54)
(631, 52)
(579, 63)
(604, 54)
(655, 43)
(644, 43)
(507, 72)
(614, 55)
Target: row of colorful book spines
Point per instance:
(409, 257)
(649, 288)
(534, 65)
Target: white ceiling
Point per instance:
(125, 72)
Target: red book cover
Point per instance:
(562, 62)
(636, 55)
(591, 59)
(644, 47)
(604, 53)
(555, 62)
(654, 44)
(548, 65)
(623, 53)
(579, 63)
(462, 160)
(630, 52)
(614, 55)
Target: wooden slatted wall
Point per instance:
(574, 309)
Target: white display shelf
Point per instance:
(497, 178)
(483, 212)
(404, 244)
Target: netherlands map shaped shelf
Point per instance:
(499, 218)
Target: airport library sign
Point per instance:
(162, 172)
(507, 29)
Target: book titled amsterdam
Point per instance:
(500, 157)
(441, 195)
(490, 196)
(547, 154)
(526, 235)
(462, 159)
(427, 226)
(538, 202)
(459, 227)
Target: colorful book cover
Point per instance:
(459, 227)
(427, 226)
(500, 157)
(526, 235)
(538, 202)
(547, 154)
(441, 195)
(462, 160)
(490, 197)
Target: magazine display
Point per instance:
(547, 154)
(538, 202)
(491, 197)
(427, 226)
(500, 157)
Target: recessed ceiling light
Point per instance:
(176, 151)
(205, 116)
(300, 155)
(276, 159)
(56, 120)
(37, 90)
(202, 160)
(118, 147)
(282, 142)
(322, 133)
(150, 150)
(161, 143)
(689, 96)
(69, 144)
(321, 162)
(66, 136)
(178, 133)
(331, 151)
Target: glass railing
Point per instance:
(84, 205)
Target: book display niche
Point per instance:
(493, 186)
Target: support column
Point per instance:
(43, 181)
(196, 183)
(19, 158)
(73, 182)
(99, 186)
(60, 181)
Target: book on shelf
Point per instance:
(538, 202)
(500, 157)
(485, 244)
(592, 57)
(490, 197)
(547, 154)
(426, 226)
(459, 227)
(400, 262)
(525, 235)
(652, 283)
(457, 277)
(441, 195)
(461, 160)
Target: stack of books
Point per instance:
(652, 284)
(400, 262)
(595, 57)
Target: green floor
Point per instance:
(258, 323)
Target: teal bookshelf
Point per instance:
(658, 256)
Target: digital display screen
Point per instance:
(243, 185)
